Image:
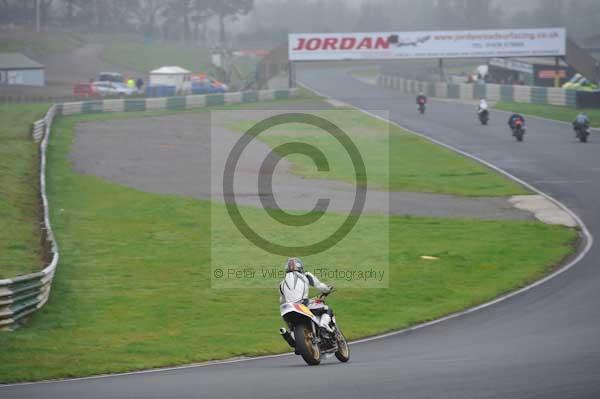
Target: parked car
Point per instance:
(84, 90)
(113, 89)
(203, 84)
(115, 77)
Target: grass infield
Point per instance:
(414, 164)
(133, 289)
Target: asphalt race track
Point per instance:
(543, 343)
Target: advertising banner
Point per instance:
(423, 45)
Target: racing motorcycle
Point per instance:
(582, 132)
(519, 130)
(484, 116)
(307, 337)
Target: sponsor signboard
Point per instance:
(551, 74)
(418, 45)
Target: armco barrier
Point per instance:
(20, 296)
(23, 295)
(493, 92)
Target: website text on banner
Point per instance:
(415, 45)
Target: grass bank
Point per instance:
(396, 159)
(38, 43)
(145, 57)
(20, 232)
(133, 289)
(564, 114)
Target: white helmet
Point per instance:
(294, 265)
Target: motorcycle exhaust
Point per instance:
(285, 334)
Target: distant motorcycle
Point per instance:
(582, 132)
(519, 130)
(484, 116)
(307, 337)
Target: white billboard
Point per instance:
(416, 45)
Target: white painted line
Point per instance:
(156, 370)
(563, 181)
(589, 240)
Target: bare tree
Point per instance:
(229, 9)
(202, 12)
(146, 15)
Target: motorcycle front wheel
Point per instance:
(343, 352)
(519, 134)
(305, 346)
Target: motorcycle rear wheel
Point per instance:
(305, 346)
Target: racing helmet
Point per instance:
(294, 265)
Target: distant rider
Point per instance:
(483, 106)
(512, 121)
(294, 288)
(421, 99)
(581, 121)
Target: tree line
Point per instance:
(187, 20)
(280, 17)
(269, 21)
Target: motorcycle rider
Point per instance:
(512, 121)
(421, 99)
(581, 122)
(483, 107)
(295, 287)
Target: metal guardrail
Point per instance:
(23, 295)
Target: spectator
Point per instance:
(139, 83)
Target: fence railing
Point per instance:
(22, 295)
(492, 92)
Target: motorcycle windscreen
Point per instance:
(294, 287)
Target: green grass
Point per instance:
(19, 219)
(395, 159)
(144, 57)
(133, 287)
(564, 114)
(39, 43)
